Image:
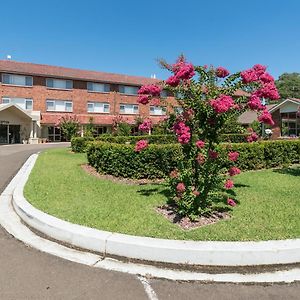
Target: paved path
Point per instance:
(29, 274)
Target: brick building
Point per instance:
(33, 97)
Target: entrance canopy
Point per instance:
(15, 110)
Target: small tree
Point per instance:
(69, 126)
(90, 128)
(210, 97)
(120, 126)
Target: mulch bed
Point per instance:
(185, 223)
(92, 171)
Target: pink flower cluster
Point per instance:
(222, 104)
(141, 145)
(266, 118)
(200, 144)
(234, 171)
(253, 137)
(146, 125)
(213, 154)
(228, 184)
(180, 187)
(146, 92)
(231, 202)
(183, 132)
(258, 74)
(254, 103)
(200, 159)
(182, 71)
(268, 90)
(233, 156)
(222, 72)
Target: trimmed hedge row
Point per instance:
(152, 139)
(78, 144)
(157, 161)
(120, 160)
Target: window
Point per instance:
(164, 94)
(128, 90)
(129, 109)
(17, 80)
(290, 124)
(28, 104)
(59, 84)
(54, 134)
(24, 103)
(178, 110)
(98, 87)
(158, 110)
(59, 105)
(98, 107)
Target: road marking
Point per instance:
(148, 289)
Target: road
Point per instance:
(26, 273)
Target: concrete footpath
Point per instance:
(26, 273)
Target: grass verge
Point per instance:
(269, 202)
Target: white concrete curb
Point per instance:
(151, 249)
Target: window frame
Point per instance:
(14, 84)
(162, 108)
(59, 88)
(129, 94)
(133, 109)
(104, 104)
(95, 91)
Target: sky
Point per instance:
(129, 36)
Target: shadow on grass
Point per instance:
(293, 171)
(160, 189)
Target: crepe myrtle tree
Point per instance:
(209, 97)
(69, 126)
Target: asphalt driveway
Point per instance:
(26, 273)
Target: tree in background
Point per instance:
(288, 85)
(90, 128)
(69, 126)
(121, 127)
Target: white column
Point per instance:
(31, 129)
(35, 129)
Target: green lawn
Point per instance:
(269, 202)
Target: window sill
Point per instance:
(17, 85)
(58, 89)
(97, 113)
(98, 92)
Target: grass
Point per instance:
(269, 205)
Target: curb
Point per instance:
(151, 249)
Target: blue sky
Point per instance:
(128, 36)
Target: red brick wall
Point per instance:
(79, 95)
(276, 128)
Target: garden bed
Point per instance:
(268, 208)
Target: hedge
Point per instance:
(158, 160)
(78, 144)
(152, 139)
(120, 160)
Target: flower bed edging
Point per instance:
(152, 249)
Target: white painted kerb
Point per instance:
(151, 249)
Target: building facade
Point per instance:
(34, 97)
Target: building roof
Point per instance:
(16, 108)
(70, 73)
(26, 68)
(249, 116)
(293, 100)
(54, 118)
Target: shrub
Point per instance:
(234, 137)
(79, 144)
(157, 161)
